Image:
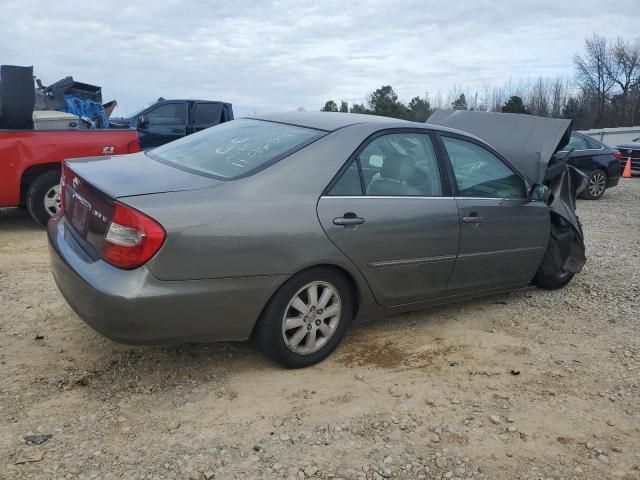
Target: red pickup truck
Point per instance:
(30, 163)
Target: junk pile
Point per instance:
(65, 104)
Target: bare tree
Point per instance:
(625, 73)
(593, 72)
(559, 96)
(538, 98)
(625, 65)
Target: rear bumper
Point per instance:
(134, 307)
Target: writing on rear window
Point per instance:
(235, 148)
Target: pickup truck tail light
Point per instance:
(132, 238)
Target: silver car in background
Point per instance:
(286, 228)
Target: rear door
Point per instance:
(503, 234)
(391, 214)
(166, 122)
(204, 115)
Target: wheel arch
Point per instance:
(356, 290)
(29, 174)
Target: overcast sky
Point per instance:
(269, 56)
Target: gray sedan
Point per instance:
(286, 228)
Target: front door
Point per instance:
(166, 122)
(503, 234)
(389, 214)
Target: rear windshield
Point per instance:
(234, 149)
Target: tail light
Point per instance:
(618, 155)
(134, 146)
(132, 238)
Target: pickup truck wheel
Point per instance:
(43, 197)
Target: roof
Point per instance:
(187, 100)
(328, 121)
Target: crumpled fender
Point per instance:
(566, 248)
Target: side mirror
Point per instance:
(143, 121)
(539, 193)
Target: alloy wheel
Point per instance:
(311, 317)
(597, 184)
(52, 200)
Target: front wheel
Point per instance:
(43, 197)
(306, 319)
(596, 185)
(553, 282)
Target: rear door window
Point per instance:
(205, 113)
(593, 145)
(234, 149)
(401, 164)
(393, 165)
(349, 182)
(577, 143)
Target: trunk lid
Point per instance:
(90, 187)
(137, 174)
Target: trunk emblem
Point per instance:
(76, 183)
(108, 150)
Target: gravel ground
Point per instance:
(529, 385)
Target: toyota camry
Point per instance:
(287, 228)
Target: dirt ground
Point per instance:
(529, 385)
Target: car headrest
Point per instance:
(397, 166)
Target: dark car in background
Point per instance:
(600, 162)
(167, 120)
(630, 150)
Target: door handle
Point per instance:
(348, 220)
(472, 219)
(178, 130)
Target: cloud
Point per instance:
(284, 54)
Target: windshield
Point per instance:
(234, 149)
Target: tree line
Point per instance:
(605, 92)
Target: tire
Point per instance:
(596, 185)
(279, 344)
(43, 199)
(551, 275)
(553, 282)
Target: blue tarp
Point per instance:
(84, 108)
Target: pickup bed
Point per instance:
(30, 163)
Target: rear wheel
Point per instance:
(43, 197)
(596, 185)
(306, 318)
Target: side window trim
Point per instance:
(446, 182)
(452, 178)
(363, 188)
